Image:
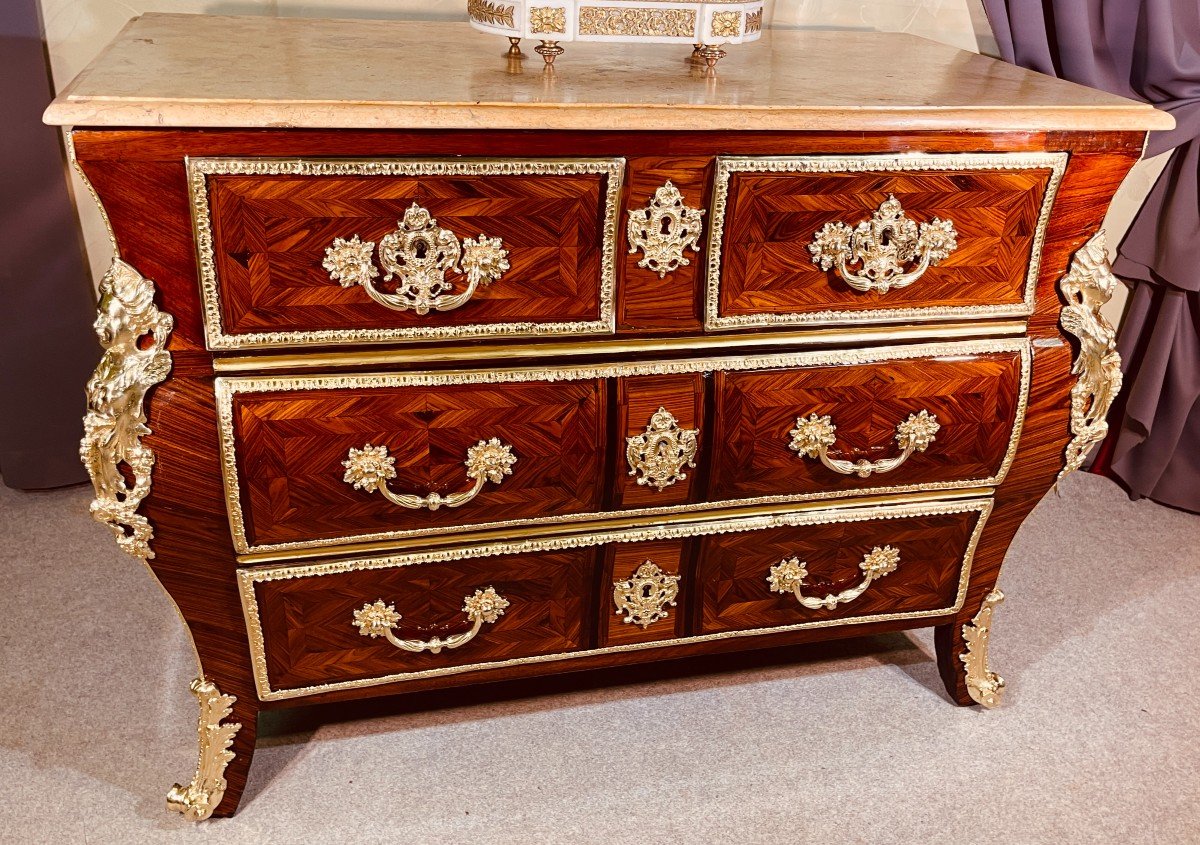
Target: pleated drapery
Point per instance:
(1147, 50)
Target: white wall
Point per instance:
(76, 30)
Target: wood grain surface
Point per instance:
(620, 562)
(270, 234)
(974, 399)
(771, 218)
(291, 446)
(311, 638)
(732, 576)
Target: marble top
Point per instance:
(206, 70)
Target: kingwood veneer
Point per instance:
(407, 395)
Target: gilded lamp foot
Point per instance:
(549, 51)
(984, 686)
(199, 798)
(711, 54)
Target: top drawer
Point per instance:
(311, 251)
(826, 240)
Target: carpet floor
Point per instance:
(1098, 739)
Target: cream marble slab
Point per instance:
(200, 70)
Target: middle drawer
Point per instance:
(321, 460)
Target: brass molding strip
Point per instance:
(727, 165)
(91, 189)
(603, 346)
(227, 387)
(247, 578)
(216, 338)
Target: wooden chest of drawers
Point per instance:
(546, 373)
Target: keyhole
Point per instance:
(885, 238)
(666, 225)
(421, 249)
(645, 591)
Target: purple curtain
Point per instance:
(47, 346)
(1147, 50)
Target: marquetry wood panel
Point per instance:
(621, 561)
(672, 301)
(771, 219)
(291, 446)
(270, 234)
(311, 638)
(733, 570)
(638, 398)
(140, 177)
(974, 399)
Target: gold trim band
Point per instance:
(618, 346)
(247, 578)
(727, 165)
(216, 338)
(227, 387)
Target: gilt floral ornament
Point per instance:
(485, 606)
(918, 431)
(367, 468)
(374, 619)
(490, 459)
(348, 262)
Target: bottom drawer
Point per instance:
(348, 623)
(827, 572)
(362, 623)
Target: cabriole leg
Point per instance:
(223, 756)
(962, 652)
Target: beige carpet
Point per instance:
(1098, 739)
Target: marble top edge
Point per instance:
(179, 70)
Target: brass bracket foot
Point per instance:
(199, 798)
(549, 51)
(984, 686)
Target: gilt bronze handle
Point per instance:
(370, 468)
(788, 576)
(419, 254)
(378, 620)
(812, 437)
(885, 246)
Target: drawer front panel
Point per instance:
(312, 632)
(662, 442)
(642, 591)
(311, 468)
(299, 474)
(917, 564)
(349, 251)
(979, 220)
(557, 597)
(960, 415)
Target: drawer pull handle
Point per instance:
(812, 437)
(788, 576)
(420, 254)
(662, 451)
(378, 619)
(644, 597)
(370, 468)
(663, 230)
(884, 245)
